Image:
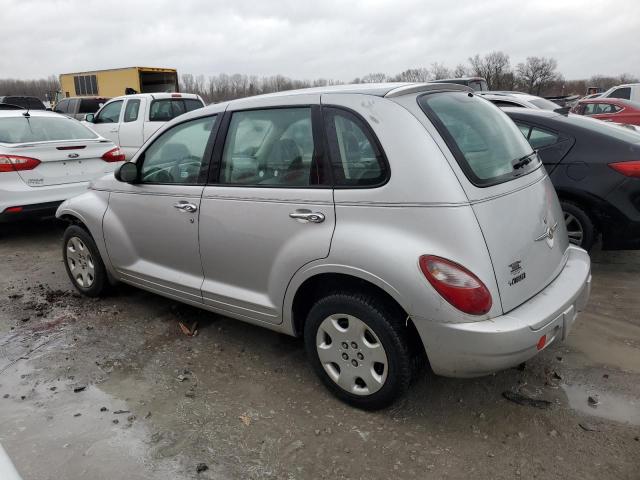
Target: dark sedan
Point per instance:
(595, 168)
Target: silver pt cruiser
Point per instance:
(385, 224)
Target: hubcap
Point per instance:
(351, 354)
(574, 229)
(80, 262)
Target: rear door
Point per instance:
(269, 209)
(107, 121)
(513, 199)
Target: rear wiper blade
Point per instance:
(523, 161)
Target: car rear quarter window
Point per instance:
(487, 145)
(42, 129)
(356, 158)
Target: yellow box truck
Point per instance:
(119, 81)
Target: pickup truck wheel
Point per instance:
(580, 227)
(83, 262)
(359, 349)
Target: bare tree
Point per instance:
(41, 88)
(494, 67)
(536, 73)
(413, 75)
(460, 71)
(439, 71)
(374, 78)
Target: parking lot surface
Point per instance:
(113, 388)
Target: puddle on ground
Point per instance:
(612, 407)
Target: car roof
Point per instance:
(508, 94)
(623, 101)
(156, 96)
(32, 113)
(533, 112)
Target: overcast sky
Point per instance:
(313, 39)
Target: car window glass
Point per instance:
(42, 129)
(486, 143)
(91, 105)
(61, 107)
(110, 113)
(270, 147)
(355, 158)
(73, 105)
(131, 110)
(624, 92)
(35, 104)
(525, 129)
(178, 155)
(539, 138)
(167, 109)
(590, 109)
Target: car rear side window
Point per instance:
(42, 129)
(624, 92)
(487, 145)
(272, 147)
(356, 158)
(167, 109)
(539, 138)
(91, 105)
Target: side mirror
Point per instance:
(127, 172)
(89, 117)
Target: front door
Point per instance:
(269, 212)
(151, 227)
(107, 121)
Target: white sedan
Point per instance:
(46, 158)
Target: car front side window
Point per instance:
(179, 155)
(110, 113)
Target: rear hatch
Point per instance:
(511, 195)
(67, 151)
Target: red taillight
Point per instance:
(629, 169)
(176, 95)
(12, 163)
(13, 210)
(114, 155)
(456, 284)
(542, 342)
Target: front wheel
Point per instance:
(359, 349)
(83, 262)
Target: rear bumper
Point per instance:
(34, 201)
(480, 348)
(37, 210)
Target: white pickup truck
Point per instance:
(128, 121)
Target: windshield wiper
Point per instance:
(523, 161)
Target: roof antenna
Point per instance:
(26, 114)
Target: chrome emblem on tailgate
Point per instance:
(73, 155)
(548, 234)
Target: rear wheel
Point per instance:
(83, 262)
(580, 227)
(359, 349)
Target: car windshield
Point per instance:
(42, 129)
(544, 104)
(486, 143)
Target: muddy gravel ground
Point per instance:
(112, 388)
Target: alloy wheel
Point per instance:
(574, 229)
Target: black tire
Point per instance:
(388, 326)
(100, 282)
(582, 220)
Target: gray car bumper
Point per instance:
(480, 348)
